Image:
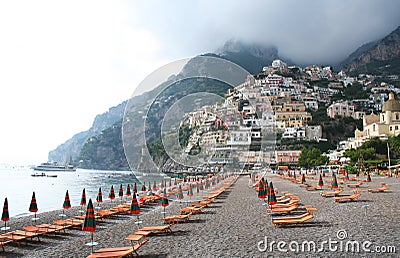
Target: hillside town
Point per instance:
(282, 99)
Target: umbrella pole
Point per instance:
(164, 212)
(92, 242)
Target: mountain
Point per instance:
(379, 57)
(252, 57)
(72, 147)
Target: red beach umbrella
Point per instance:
(5, 216)
(261, 190)
(135, 208)
(111, 195)
(33, 206)
(66, 204)
(99, 198)
(83, 198)
(164, 200)
(135, 188)
(89, 223)
(128, 190)
(320, 182)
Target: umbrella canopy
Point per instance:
(111, 195)
(190, 191)
(83, 198)
(334, 183)
(320, 182)
(179, 195)
(144, 188)
(271, 196)
(164, 200)
(121, 192)
(261, 190)
(155, 185)
(303, 179)
(197, 188)
(33, 206)
(89, 223)
(149, 188)
(67, 202)
(368, 178)
(99, 198)
(135, 188)
(135, 209)
(128, 190)
(5, 216)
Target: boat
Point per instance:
(38, 174)
(54, 166)
(51, 175)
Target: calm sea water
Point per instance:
(17, 185)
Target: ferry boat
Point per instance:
(54, 166)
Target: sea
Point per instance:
(17, 184)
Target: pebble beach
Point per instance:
(236, 224)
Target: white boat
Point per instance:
(54, 166)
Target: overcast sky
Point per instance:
(64, 62)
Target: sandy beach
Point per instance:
(237, 225)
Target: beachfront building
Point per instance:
(287, 156)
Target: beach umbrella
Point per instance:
(303, 179)
(121, 192)
(135, 188)
(144, 188)
(261, 190)
(179, 194)
(83, 198)
(5, 216)
(271, 197)
(33, 206)
(128, 190)
(368, 178)
(149, 188)
(320, 182)
(67, 203)
(99, 198)
(155, 185)
(164, 200)
(111, 195)
(190, 191)
(135, 208)
(201, 186)
(334, 183)
(89, 223)
(197, 188)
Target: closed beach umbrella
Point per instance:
(197, 188)
(149, 188)
(144, 188)
(155, 185)
(121, 192)
(303, 179)
(164, 200)
(135, 209)
(33, 206)
(271, 197)
(179, 195)
(83, 198)
(89, 223)
(320, 182)
(261, 190)
(128, 190)
(334, 183)
(190, 191)
(5, 216)
(135, 188)
(368, 178)
(111, 195)
(67, 202)
(99, 198)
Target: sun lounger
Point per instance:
(175, 219)
(19, 235)
(69, 223)
(332, 194)
(347, 198)
(291, 217)
(4, 241)
(191, 210)
(115, 252)
(314, 188)
(158, 229)
(355, 185)
(288, 221)
(282, 209)
(379, 189)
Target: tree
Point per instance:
(311, 158)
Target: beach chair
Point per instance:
(158, 229)
(19, 235)
(379, 189)
(356, 184)
(288, 221)
(332, 193)
(191, 210)
(4, 241)
(115, 252)
(348, 198)
(313, 188)
(175, 219)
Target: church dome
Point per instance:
(392, 104)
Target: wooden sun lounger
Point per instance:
(292, 221)
(158, 229)
(4, 241)
(19, 235)
(332, 194)
(175, 219)
(291, 217)
(69, 223)
(314, 188)
(355, 185)
(347, 198)
(283, 209)
(191, 210)
(379, 189)
(116, 252)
